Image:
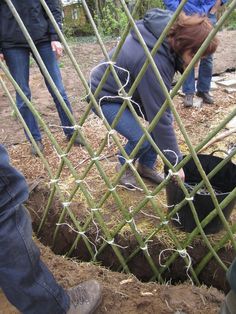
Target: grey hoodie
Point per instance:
(148, 94)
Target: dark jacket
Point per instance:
(148, 93)
(34, 18)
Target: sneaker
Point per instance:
(85, 298)
(127, 179)
(206, 97)
(149, 173)
(188, 100)
(33, 149)
(78, 141)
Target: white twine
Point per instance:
(66, 204)
(182, 253)
(82, 233)
(176, 219)
(135, 226)
(189, 198)
(73, 127)
(149, 215)
(173, 152)
(111, 242)
(53, 181)
(145, 248)
(95, 209)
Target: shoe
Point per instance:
(85, 298)
(206, 97)
(78, 140)
(188, 100)
(149, 173)
(127, 179)
(40, 147)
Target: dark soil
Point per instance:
(125, 294)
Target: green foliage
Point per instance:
(150, 4)
(231, 21)
(112, 20)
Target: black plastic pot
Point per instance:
(223, 183)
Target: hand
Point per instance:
(179, 174)
(1, 57)
(57, 48)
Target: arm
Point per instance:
(55, 8)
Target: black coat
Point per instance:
(34, 18)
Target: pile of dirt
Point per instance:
(125, 294)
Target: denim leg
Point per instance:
(206, 66)
(50, 61)
(231, 275)
(189, 83)
(24, 278)
(130, 129)
(17, 60)
(205, 74)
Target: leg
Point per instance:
(17, 60)
(50, 61)
(189, 83)
(189, 89)
(205, 74)
(25, 280)
(130, 129)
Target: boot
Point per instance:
(85, 298)
(188, 100)
(78, 140)
(128, 178)
(206, 97)
(149, 173)
(33, 149)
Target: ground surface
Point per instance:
(122, 294)
(125, 294)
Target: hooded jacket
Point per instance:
(34, 18)
(148, 94)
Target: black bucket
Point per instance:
(223, 183)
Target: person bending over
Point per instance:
(177, 50)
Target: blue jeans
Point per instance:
(130, 129)
(204, 72)
(17, 60)
(24, 278)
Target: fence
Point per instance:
(95, 218)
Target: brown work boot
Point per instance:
(127, 179)
(149, 173)
(188, 100)
(85, 298)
